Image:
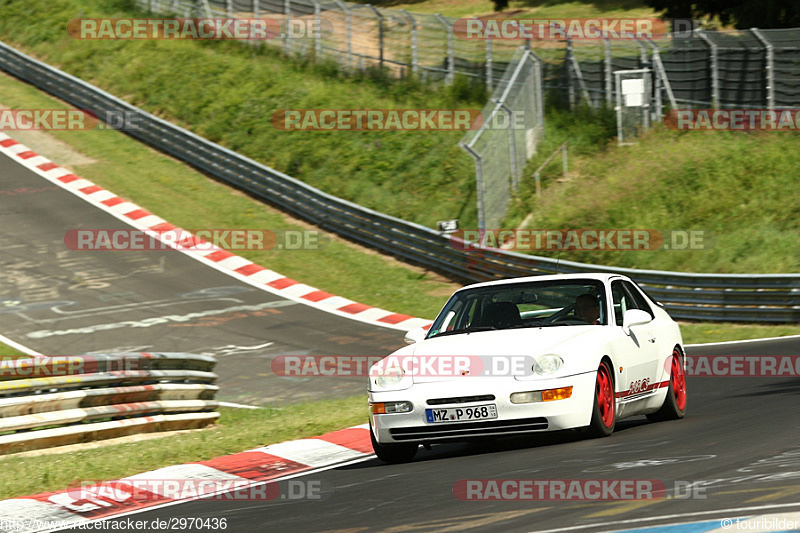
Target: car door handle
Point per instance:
(651, 338)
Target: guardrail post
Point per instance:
(451, 63)
(380, 32)
(414, 51)
(769, 67)
(713, 60)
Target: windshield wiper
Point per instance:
(470, 329)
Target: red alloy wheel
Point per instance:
(605, 396)
(678, 380)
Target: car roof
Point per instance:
(600, 276)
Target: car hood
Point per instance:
(568, 341)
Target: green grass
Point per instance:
(699, 333)
(228, 92)
(237, 430)
(732, 185)
(738, 188)
(7, 352)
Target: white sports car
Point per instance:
(526, 355)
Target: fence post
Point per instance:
(317, 29)
(229, 10)
(287, 10)
(489, 66)
(609, 82)
(478, 183)
(414, 51)
(512, 145)
(578, 75)
(256, 10)
(564, 159)
(643, 61)
(663, 79)
(769, 67)
(570, 84)
(540, 91)
(712, 48)
(380, 32)
(451, 64)
(341, 5)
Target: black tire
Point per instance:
(674, 406)
(393, 453)
(603, 420)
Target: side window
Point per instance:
(620, 301)
(637, 300)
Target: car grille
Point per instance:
(464, 430)
(462, 399)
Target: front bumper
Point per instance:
(512, 419)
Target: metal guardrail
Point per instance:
(49, 401)
(685, 295)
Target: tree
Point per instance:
(742, 13)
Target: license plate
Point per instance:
(461, 414)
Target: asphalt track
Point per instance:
(740, 434)
(738, 445)
(55, 301)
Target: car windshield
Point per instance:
(522, 305)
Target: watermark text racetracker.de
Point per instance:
(743, 365)
(402, 365)
(581, 239)
(573, 490)
(40, 119)
(91, 495)
(249, 29)
(65, 365)
(495, 28)
(393, 120)
(194, 240)
(733, 119)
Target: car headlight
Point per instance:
(390, 377)
(545, 365)
(382, 408)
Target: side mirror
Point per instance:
(634, 317)
(415, 335)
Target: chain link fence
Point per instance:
(360, 36)
(737, 68)
(689, 69)
(706, 69)
(512, 129)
